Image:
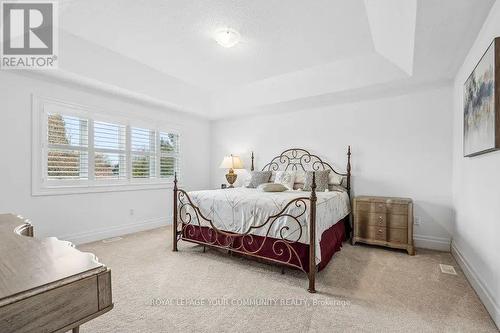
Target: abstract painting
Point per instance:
(481, 112)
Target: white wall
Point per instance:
(85, 217)
(401, 146)
(476, 191)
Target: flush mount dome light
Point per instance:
(227, 37)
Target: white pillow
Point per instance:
(272, 187)
(334, 179)
(286, 178)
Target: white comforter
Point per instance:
(238, 209)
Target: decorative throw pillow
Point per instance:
(334, 179)
(286, 178)
(321, 180)
(272, 187)
(300, 177)
(259, 177)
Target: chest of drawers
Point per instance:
(384, 221)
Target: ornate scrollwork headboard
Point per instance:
(296, 159)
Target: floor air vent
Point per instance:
(111, 240)
(447, 269)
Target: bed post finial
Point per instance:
(312, 237)
(174, 220)
(252, 167)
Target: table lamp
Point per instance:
(231, 162)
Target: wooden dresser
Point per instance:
(384, 221)
(46, 285)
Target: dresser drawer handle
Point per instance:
(379, 231)
(380, 218)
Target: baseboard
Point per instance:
(482, 290)
(114, 231)
(432, 243)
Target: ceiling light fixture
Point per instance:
(227, 37)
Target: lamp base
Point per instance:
(231, 178)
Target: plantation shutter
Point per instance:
(78, 151)
(110, 159)
(143, 152)
(67, 147)
(169, 155)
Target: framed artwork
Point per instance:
(482, 104)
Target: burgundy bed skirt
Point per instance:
(331, 242)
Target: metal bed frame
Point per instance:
(187, 217)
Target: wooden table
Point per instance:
(46, 285)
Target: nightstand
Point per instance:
(384, 221)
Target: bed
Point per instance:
(299, 229)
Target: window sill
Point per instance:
(99, 188)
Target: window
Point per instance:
(67, 155)
(143, 153)
(169, 154)
(110, 156)
(76, 150)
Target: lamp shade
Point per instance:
(231, 162)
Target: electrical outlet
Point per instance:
(132, 212)
(417, 220)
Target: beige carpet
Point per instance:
(363, 289)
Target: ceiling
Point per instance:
(176, 36)
(290, 50)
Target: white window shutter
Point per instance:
(67, 149)
(78, 151)
(143, 153)
(169, 155)
(110, 155)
